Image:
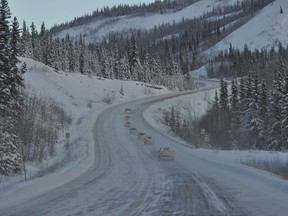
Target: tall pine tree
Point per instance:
(10, 97)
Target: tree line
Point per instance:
(29, 126)
(251, 115)
(245, 114)
(233, 62)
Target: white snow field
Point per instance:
(266, 29)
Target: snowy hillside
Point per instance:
(96, 31)
(266, 29)
(80, 92)
(83, 98)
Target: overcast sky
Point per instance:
(58, 11)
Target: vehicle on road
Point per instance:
(165, 153)
(148, 140)
(141, 135)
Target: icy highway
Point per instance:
(128, 179)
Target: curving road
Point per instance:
(127, 179)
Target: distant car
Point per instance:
(127, 124)
(148, 140)
(141, 135)
(165, 153)
(133, 130)
(128, 111)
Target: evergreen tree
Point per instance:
(263, 109)
(44, 45)
(223, 95)
(235, 118)
(15, 79)
(285, 114)
(82, 55)
(25, 42)
(155, 72)
(124, 69)
(146, 75)
(10, 159)
(275, 115)
(132, 54)
(224, 116)
(10, 97)
(254, 123)
(5, 66)
(34, 42)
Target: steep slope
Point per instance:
(83, 98)
(98, 30)
(81, 92)
(266, 29)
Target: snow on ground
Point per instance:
(200, 72)
(194, 105)
(83, 98)
(97, 30)
(266, 29)
(197, 104)
(80, 92)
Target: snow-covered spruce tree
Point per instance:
(132, 54)
(10, 97)
(263, 109)
(285, 113)
(116, 64)
(146, 73)
(137, 71)
(71, 53)
(35, 43)
(124, 72)
(82, 55)
(224, 116)
(105, 64)
(44, 44)
(253, 122)
(235, 118)
(25, 46)
(156, 72)
(275, 114)
(10, 159)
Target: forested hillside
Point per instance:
(161, 54)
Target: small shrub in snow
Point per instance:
(121, 90)
(39, 127)
(109, 97)
(89, 104)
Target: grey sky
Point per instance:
(58, 11)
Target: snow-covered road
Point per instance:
(127, 179)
